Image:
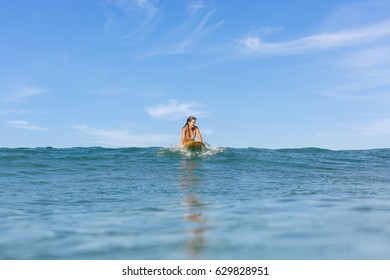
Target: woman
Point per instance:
(190, 131)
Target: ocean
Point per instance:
(168, 203)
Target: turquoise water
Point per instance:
(222, 203)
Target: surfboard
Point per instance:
(194, 146)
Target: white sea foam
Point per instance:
(208, 151)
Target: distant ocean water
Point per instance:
(167, 203)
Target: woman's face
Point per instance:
(192, 123)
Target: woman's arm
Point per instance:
(199, 135)
(183, 135)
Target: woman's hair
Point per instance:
(190, 118)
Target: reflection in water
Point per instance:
(189, 183)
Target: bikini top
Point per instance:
(193, 133)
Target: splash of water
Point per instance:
(208, 151)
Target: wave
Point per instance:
(304, 150)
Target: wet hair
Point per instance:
(190, 118)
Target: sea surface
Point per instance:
(168, 203)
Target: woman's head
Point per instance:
(191, 121)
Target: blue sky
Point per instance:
(266, 74)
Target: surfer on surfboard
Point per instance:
(190, 131)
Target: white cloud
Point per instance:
(197, 25)
(252, 45)
(29, 91)
(377, 127)
(24, 125)
(22, 92)
(368, 58)
(174, 110)
(352, 13)
(123, 138)
(364, 76)
(113, 91)
(141, 16)
(207, 131)
(19, 112)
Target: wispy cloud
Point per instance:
(21, 124)
(29, 91)
(377, 127)
(174, 110)
(195, 6)
(253, 45)
(364, 76)
(367, 58)
(124, 138)
(206, 131)
(354, 13)
(19, 112)
(197, 26)
(189, 33)
(112, 91)
(140, 19)
(141, 16)
(23, 92)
